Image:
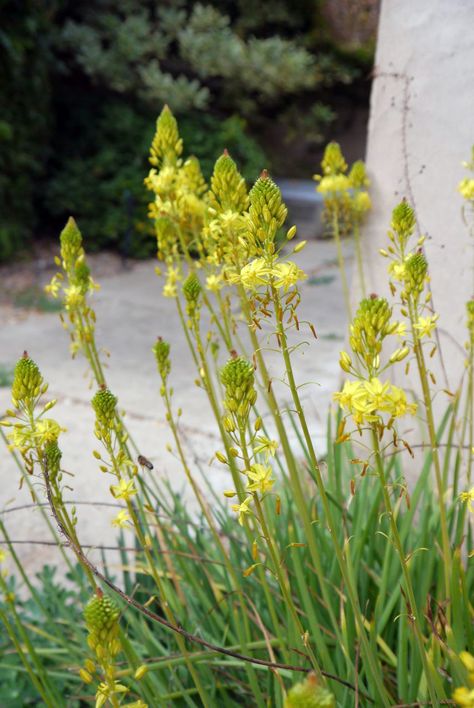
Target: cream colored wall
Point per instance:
(421, 128)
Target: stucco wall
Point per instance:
(421, 128)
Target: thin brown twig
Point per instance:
(131, 549)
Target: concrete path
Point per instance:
(130, 314)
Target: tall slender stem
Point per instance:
(434, 684)
(341, 262)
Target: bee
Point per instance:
(142, 460)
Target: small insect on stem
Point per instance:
(144, 462)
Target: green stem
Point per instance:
(360, 263)
(422, 371)
(434, 685)
(342, 266)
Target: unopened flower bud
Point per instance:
(104, 404)
(345, 362)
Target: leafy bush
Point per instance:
(25, 118)
(226, 68)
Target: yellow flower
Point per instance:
(352, 390)
(426, 325)
(123, 490)
(261, 478)
(54, 286)
(464, 697)
(172, 277)
(47, 430)
(468, 498)
(466, 188)
(397, 270)
(331, 184)
(397, 404)
(400, 330)
(73, 297)
(254, 274)
(169, 290)
(214, 283)
(242, 509)
(121, 520)
(366, 400)
(267, 446)
(376, 394)
(3, 554)
(287, 274)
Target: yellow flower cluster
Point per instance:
(259, 273)
(345, 195)
(179, 189)
(367, 401)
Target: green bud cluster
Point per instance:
(358, 175)
(416, 271)
(104, 404)
(192, 178)
(238, 378)
(267, 213)
(71, 243)
(101, 615)
(228, 188)
(27, 380)
(191, 291)
(333, 162)
(167, 146)
(371, 324)
(309, 694)
(53, 456)
(161, 350)
(403, 220)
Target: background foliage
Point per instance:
(84, 82)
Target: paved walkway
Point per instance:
(130, 314)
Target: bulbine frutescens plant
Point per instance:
(349, 569)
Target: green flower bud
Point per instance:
(267, 213)
(53, 456)
(238, 378)
(358, 175)
(161, 351)
(228, 189)
(27, 380)
(333, 161)
(371, 324)
(71, 242)
(237, 373)
(192, 288)
(104, 404)
(167, 146)
(191, 291)
(101, 613)
(309, 694)
(403, 220)
(191, 176)
(416, 271)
